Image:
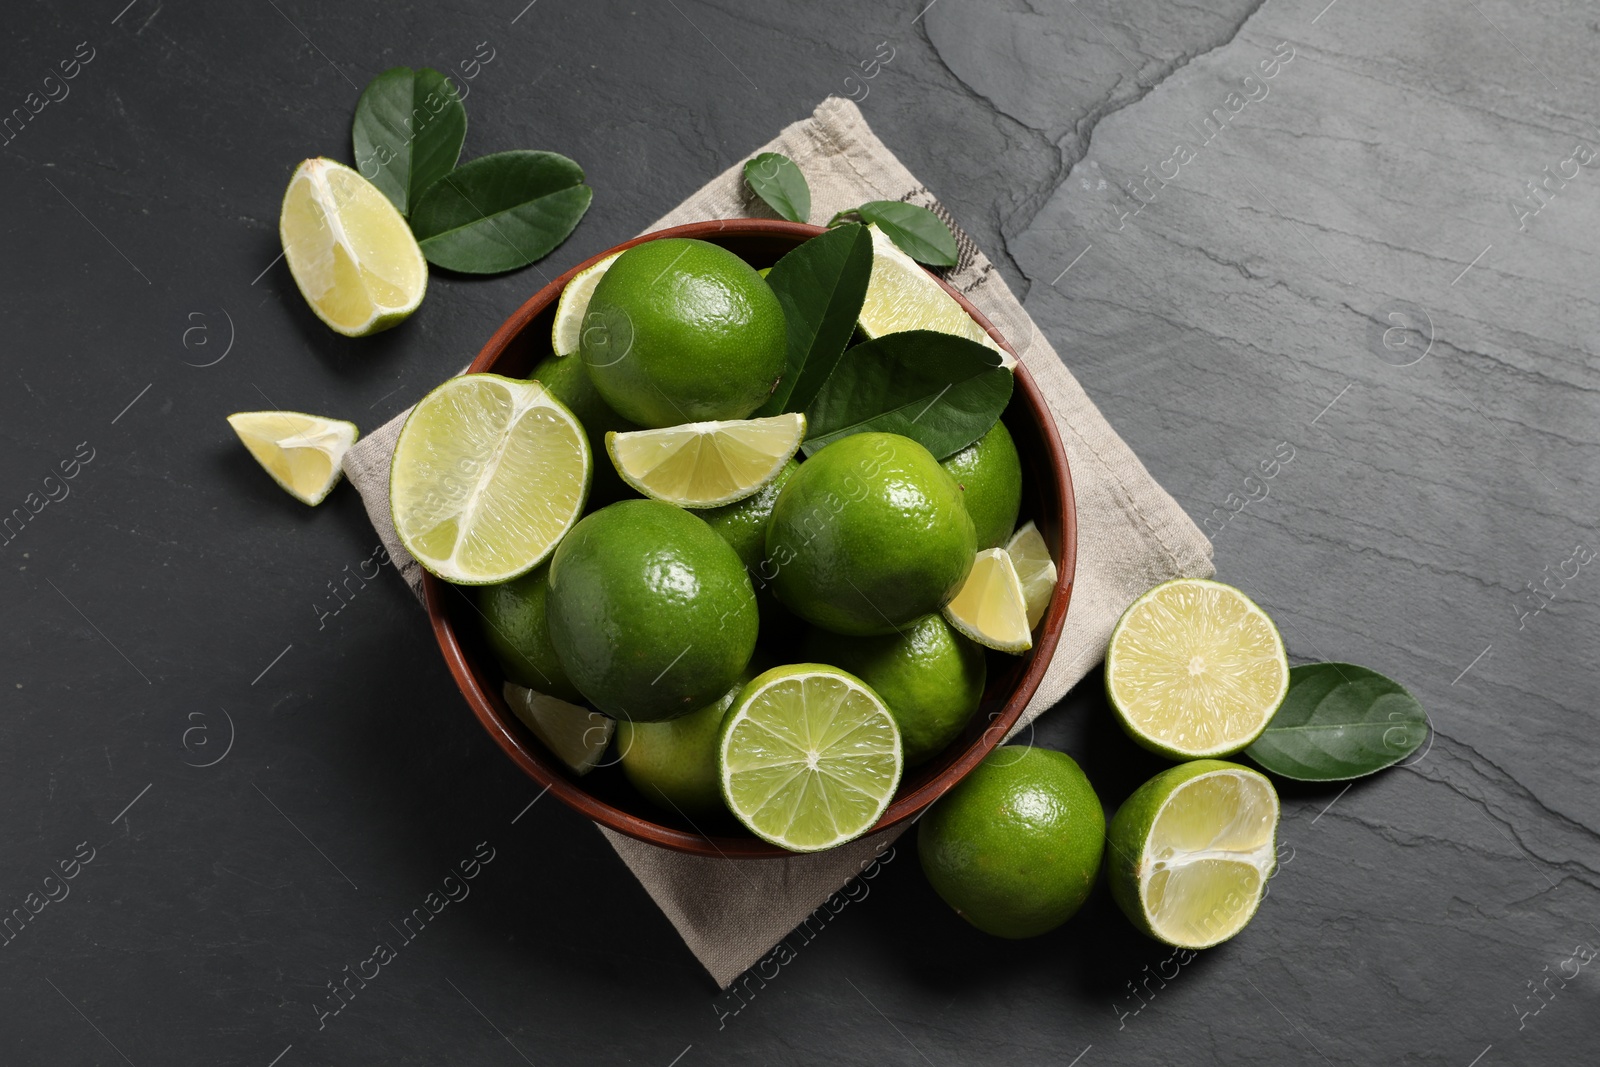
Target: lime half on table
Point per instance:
(809, 757)
(489, 473)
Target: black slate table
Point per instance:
(1381, 262)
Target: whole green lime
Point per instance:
(569, 382)
(651, 613)
(514, 624)
(674, 763)
(930, 677)
(1014, 848)
(869, 534)
(683, 331)
(990, 476)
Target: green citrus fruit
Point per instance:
(651, 613)
(990, 476)
(930, 677)
(743, 524)
(868, 535)
(674, 763)
(514, 624)
(1014, 848)
(568, 381)
(1192, 849)
(683, 331)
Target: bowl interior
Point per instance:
(604, 794)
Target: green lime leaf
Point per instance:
(821, 285)
(500, 212)
(940, 390)
(1339, 721)
(775, 179)
(407, 133)
(920, 233)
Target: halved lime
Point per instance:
(1191, 851)
(1035, 570)
(990, 607)
(809, 757)
(352, 255)
(575, 735)
(567, 332)
(489, 473)
(1195, 669)
(902, 296)
(706, 464)
(301, 452)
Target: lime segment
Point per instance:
(706, 464)
(1192, 850)
(577, 736)
(809, 757)
(902, 296)
(351, 254)
(1195, 669)
(567, 333)
(301, 452)
(489, 473)
(1035, 570)
(990, 607)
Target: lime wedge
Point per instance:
(1195, 669)
(350, 252)
(706, 464)
(809, 757)
(568, 329)
(301, 452)
(1191, 851)
(902, 296)
(489, 473)
(577, 736)
(1035, 570)
(991, 608)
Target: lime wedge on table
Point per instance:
(577, 736)
(301, 452)
(809, 757)
(902, 296)
(1195, 669)
(1035, 570)
(1191, 851)
(707, 464)
(489, 473)
(990, 607)
(351, 254)
(567, 332)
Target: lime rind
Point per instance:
(303, 453)
(1195, 669)
(332, 225)
(1192, 850)
(1035, 570)
(489, 473)
(990, 607)
(575, 735)
(706, 464)
(566, 332)
(809, 758)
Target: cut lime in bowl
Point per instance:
(604, 794)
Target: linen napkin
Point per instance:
(1131, 535)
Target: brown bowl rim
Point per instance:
(509, 733)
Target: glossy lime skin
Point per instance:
(683, 331)
(518, 632)
(651, 613)
(868, 535)
(743, 524)
(568, 381)
(1014, 848)
(989, 473)
(930, 677)
(674, 763)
